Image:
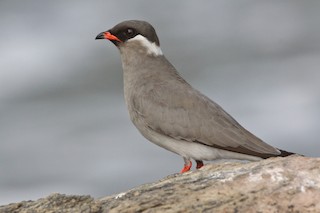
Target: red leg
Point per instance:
(199, 164)
(187, 165)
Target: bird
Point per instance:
(172, 114)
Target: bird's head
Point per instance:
(134, 34)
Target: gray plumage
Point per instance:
(170, 112)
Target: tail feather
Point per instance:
(282, 154)
(285, 153)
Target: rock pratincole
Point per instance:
(169, 112)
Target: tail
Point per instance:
(285, 153)
(282, 154)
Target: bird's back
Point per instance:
(164, 102)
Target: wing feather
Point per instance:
(179, 111)
(166, 103)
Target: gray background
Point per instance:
(63, 122)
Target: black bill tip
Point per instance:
(100, 36)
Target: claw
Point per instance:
(199, 164)
(186, 168)
(187, 165)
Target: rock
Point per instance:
(54, 203)
(290, 184)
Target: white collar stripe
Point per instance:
(152, 47)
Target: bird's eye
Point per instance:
(129, 32)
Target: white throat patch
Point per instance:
(152, 48)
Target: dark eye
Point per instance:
(129, 32)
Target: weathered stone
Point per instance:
(290, 184)
(54, 203)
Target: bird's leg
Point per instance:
(187, 165)
(199, 164)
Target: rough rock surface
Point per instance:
(290, 184)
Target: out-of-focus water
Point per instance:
(63, 122)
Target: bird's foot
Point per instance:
(187, 166)
(199, 164)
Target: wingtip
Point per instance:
(286, 153)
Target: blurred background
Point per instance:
(64, 126)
